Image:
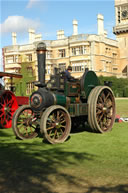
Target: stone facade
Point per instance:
(121, 32)
(96, 52)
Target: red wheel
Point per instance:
(8, 105)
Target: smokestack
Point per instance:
(100, 23)
(41, 56)
(75, 27)
(14, 39)
(60, 34)
(31, 35)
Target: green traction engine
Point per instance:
(59, 105)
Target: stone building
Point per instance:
(96, 52)
(121, 32)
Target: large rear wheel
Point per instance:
(101, 109)
(55, 124)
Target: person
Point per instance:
(68, 74)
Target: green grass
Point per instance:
(122, 107)
(86, 162)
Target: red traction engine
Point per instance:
(8, 102)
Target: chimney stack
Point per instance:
(100, 23)
(75, 27)
(41, 57)
(14, 39)
(31, 35)
(38, 37)
(60, 34)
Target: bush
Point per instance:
(125, 94)
(119, 85)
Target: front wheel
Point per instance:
(55, 124)
(24, 123)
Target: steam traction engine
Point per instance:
(57, 105)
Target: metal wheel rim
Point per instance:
(95, 102)
(26, 124)
(8, 106)
(105, 109)
(56, 124)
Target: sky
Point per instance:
(48, 16)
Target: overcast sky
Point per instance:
(48, 16)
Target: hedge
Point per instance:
(119, 85)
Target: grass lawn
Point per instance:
(122, 107)
(86, 163)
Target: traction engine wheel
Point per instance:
(55, 124)
(101, 109)
(8, 105)
(24, 123)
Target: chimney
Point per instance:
(31, 36)
(14, 39)
(60, 34)
(38, 37)
(41, 57)
(75, 27)
(100, 23)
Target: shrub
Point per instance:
(119, 85)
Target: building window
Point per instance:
(78, 67)
(16, 58)
(108, 64)
(115, 68)
(81, 50)
(62, 67)
(48, 70)
(114, 58)
(29, 87)
(78, 50)
(49, 54)
(29, 57)
(30, 70)
(10, 59)
(62, 53)
(73, 51)
(107, 50)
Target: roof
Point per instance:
(2, 74)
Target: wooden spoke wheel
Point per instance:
(55, 124)
(101, 109)
(24, 123)
(8, 105)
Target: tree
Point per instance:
(28, 73)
